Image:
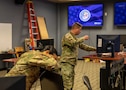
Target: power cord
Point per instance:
(39, 77)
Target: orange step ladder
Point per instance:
(33, 25)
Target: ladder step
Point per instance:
(35, 33)
(33, 20)
(34, 27)
(32, 14)
(31, 9)
(35, 39)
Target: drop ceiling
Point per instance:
(64, 1)
(70, 1)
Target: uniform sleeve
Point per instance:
(69, 40)
(87, 47)
(41, 62)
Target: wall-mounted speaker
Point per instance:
(19, 1)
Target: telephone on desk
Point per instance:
(104, 55)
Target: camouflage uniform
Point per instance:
(29, 65)
(69, 57)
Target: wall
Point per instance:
(49, 11)
(17, 15)
(5, 40)
(56, 21)
(11, 13)
(108, 27)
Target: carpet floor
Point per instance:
(90, 69)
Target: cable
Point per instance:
(38, 78)
(118, 79)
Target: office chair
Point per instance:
(19, 51)
(87, 82)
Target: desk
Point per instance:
(109, 73)
(11, 60)
(5, 56)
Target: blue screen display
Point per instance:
(87, 15)
(120, 14)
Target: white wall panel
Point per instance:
(5, 36)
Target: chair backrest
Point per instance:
(18, 51)
(87, 82)
(51, 81)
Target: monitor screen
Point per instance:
(103, 40)
(43, 42)
(13, 83)
(123, 40)
(120, 14)
(87, 15)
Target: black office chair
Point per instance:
(50, 80)
(87, 82)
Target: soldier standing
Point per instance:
(69, 54)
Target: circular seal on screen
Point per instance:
(84, 15)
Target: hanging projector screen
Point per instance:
(5, 36)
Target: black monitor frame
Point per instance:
(123, 40)
(43, 42)
(13, 83)
(102, 40)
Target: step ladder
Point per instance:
(33, 25)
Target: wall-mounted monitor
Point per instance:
(89, 15)
(120, 13)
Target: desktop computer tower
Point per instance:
(103, 78)
(106, 81)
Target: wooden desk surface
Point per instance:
(94, 56)
(10, 60)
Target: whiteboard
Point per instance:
(5, 36)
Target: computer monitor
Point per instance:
(43, 42)
(13, 83)
(123, 40)
(103, 40)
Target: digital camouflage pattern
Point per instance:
(29, 65)
(70, 45)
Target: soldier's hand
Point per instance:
(86, 37)
(49, 68)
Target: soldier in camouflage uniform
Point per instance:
(29, 65)
(69, 55)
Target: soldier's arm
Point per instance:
(87, 47)
(70, 41)
(41, 62)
